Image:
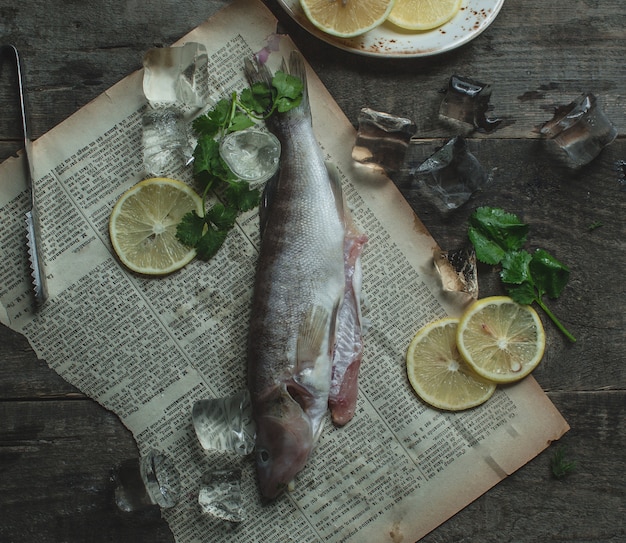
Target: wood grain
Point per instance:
(58, 449)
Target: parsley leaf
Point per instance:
(498, 238)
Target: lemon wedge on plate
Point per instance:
(142, 225)
(438, 373)
(423, 14)
(501, 340)
(346, 18)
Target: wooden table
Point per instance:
(58, 449)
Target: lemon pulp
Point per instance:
(423, 14)
(501, 340)
(346, 18)
(142, 225)
(438, 373)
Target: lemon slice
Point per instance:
(143, 224)
(346, 18)
(423, 14)
(438, 373)
(502, 340)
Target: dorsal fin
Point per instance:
(335, 185)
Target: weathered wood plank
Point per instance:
(532, 505)
(55, 483)
(58, 457)
(532, 54)
(57, 461)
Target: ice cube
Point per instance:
(225, 424)
(251, 154)
(220, 495)
(581, 129)
(166, 141)
(450, 176)
(177, 76)
(161, 478)
(467, 101)
(176, 85)
(382, 139)
(140, 484)
(457, 270)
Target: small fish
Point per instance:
(299, 292)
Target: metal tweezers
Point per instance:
(33, 234)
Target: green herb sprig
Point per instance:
(560, 464)
(208, 232)
(498, 238)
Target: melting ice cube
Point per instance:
(175, 83)
(153, 480)
(220, 495)
(177, 76)
(581, 129)
(467, 101)
(225, 424)
(382, 139)
(251, 154)
(457, 270)
(450, 176)
(166, 141)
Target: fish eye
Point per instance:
(264, 456)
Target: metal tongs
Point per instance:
(33, 233)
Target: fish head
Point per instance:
(283, 443)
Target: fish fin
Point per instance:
(298, 69)
(257, 73)
(335, 185)
(311, 334)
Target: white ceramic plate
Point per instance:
(388, 40)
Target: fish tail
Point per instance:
(298, 69)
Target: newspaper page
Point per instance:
(148, 348)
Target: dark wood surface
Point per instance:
(58, 449)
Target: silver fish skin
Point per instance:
(298, 289)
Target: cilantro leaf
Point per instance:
(208, 165)
(210, 243)
(240, 195)
(258, 98)
(189, 229)
(238, 112)
(523, 293)
(212, 122)
(240, 121)
(288, 91)
(498, 238)
(550, 276)
(222, 217)
(494, 232)
(515, 267)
